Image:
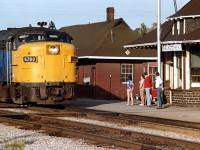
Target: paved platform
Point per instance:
(191, 114)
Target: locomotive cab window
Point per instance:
(2, 45)
(59, 38)
(30, 38)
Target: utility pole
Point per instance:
(158, 37)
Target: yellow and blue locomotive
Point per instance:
(37, 65)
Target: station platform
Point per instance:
(190, 114)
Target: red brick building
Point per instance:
(180, 40)
(104, 64)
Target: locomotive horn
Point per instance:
(41, 24)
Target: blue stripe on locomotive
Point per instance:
(3, 65)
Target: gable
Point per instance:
(101, 39)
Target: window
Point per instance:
(30, 38)
(195, 68)
(151, 68)
(34, 37)
(2, 45)
(169, 62)
(59, 37)
(126, 70)
(179, 68)
(152, 71)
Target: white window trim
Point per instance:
(187, 69)
(167, 72)
(178, 26)
(184, 26)
(123, 73)
(195, 84)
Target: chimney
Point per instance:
(110, 13)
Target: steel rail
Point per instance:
(63, 131)
(173, 122)
(85, 130)
(125, 119)
(153, 139)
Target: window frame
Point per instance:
(124, 81)
(193, 53)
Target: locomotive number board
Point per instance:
(30, 59)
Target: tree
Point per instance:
(143, 29)
(154, 26)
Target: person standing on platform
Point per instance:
(142, 90)
(147, 87)
(158, 86)
(130, 87)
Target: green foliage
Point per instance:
(143, 29)
(20, 145)
(154, 26)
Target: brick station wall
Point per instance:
(106, 86)
(183, 98)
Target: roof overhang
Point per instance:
(162, 43)
(140, 45)
(121, 58)
(182, 17)
(181, 42)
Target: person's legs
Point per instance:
(131, 95)
(148, 96)
(128, 97)
(159, 90)
(142, 96)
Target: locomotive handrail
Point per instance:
(8, 59)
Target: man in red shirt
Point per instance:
(147, 86)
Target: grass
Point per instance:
(19, 145)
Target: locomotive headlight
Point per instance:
(53, 50)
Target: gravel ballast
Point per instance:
(34, 140)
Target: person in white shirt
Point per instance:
(158, 86)
(142, 90)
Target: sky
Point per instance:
(21, 13)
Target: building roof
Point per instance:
(191, 9)
(150, 39)
(191, 37)
(105, 40)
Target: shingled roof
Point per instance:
(150, 39)
(105, 39)
(191, 9)
(192, 37)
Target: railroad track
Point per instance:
(47, 119)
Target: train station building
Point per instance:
(104, 64)
(180, 56)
